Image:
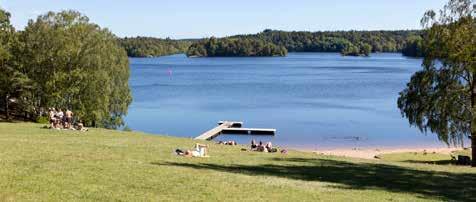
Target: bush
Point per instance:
(127, 129)
(42, 120)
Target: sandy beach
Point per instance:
(369, 153)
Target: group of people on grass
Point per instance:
(201, 150)
(63, 120)
(260, 147)
(230, 142)
(268, 147)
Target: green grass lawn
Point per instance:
(423, 157)
(102, 165)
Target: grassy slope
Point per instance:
(41, 164)
(427, 158)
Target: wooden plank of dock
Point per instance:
(215, 131)
(236, 124)
(261, 131)
(233, 127)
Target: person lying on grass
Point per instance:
(200, 150)
(231, 142)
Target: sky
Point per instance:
(180, 19)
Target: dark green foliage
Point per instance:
(153, 47)
(379, 41)
(362, 49)
(441, 98)
(43, 120)
(13, 83)
(127, 129)
(413, 47)
(353, 43)
(62, 60)
(234, 47)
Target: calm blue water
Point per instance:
(314, 100)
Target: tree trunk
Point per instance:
(473, 121)
(473, 149)
(7, 114)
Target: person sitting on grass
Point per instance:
(80, 127)
(200, 150)
(263, 148)
(231, 142)
(269, 146)
(253, 144)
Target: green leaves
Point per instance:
(226, 47)
(442, 97)
(72, 63)
(148, 46)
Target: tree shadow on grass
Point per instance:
(437, 162)
(428, 184)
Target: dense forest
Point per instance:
(153, 47)
(413, 47)
(345, 42)
(271, 43)
(234, 47)
(353, 43)
(380, 41)
(62, 60)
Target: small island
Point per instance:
(235, 47)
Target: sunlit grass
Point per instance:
(103, 165)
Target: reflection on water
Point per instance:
(314, 100)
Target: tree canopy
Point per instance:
(153, 47)
(353, 43)
(441, 98)
(234, 47)
(413, 46)
(68, 62)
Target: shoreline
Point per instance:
(370, 153)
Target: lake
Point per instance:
(314, 100)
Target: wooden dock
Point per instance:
(233, 127)
(249, 131)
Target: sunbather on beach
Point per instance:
(200, 150)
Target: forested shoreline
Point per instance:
(278, 43)
(356, 43)
(153, 47)
(234, 47)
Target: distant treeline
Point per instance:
(335, 41)
(355, 43)
(234, 47)
(153, 47)
(278, 43)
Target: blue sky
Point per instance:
(205, 18)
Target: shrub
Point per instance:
(42, 119)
